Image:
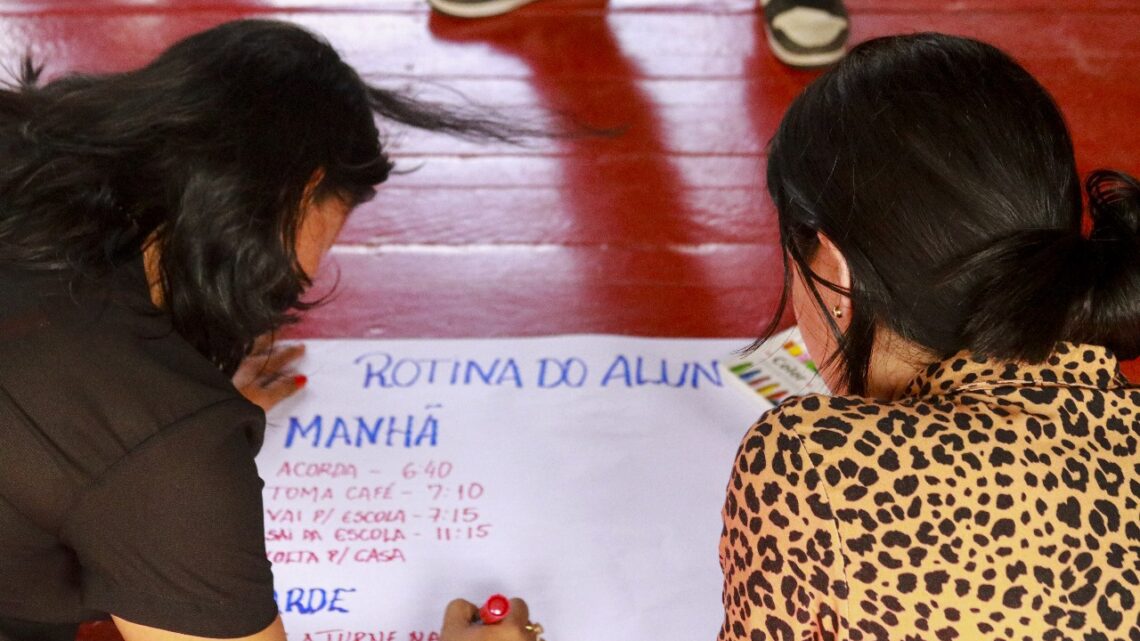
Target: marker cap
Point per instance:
(495, 609)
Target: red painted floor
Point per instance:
(663, 230)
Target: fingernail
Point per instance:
(300, 380)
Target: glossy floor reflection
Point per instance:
(663, 230)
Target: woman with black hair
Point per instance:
(976, 476)
(154, 225)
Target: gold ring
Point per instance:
(536, 628)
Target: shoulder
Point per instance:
(777, 457)
(826, 421)
(805, 442)
(94, 372)
(86, 335)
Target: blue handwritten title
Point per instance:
(383, 370)
(386, 371)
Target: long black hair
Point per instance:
(945, 175)
(206, 151)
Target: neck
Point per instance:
(895, 362)
(152, 267)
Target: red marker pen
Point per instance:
(495, 609)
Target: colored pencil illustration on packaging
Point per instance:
(780, 369)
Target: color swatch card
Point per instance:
(780, 368)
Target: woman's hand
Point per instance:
(460, 624)
(266, 377)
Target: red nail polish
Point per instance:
(300, 380)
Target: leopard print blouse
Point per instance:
(992, 501)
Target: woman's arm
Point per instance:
(138, 632)
(458, 625)
(779, 550)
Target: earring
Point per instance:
(838, 312)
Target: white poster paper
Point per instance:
(583, 473)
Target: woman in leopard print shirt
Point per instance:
(976, 477)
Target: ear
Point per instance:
(830, 264)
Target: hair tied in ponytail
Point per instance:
(1110, 313)
(1114, 205)
(1019, 291)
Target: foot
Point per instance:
(806, 33)
(476, 8)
